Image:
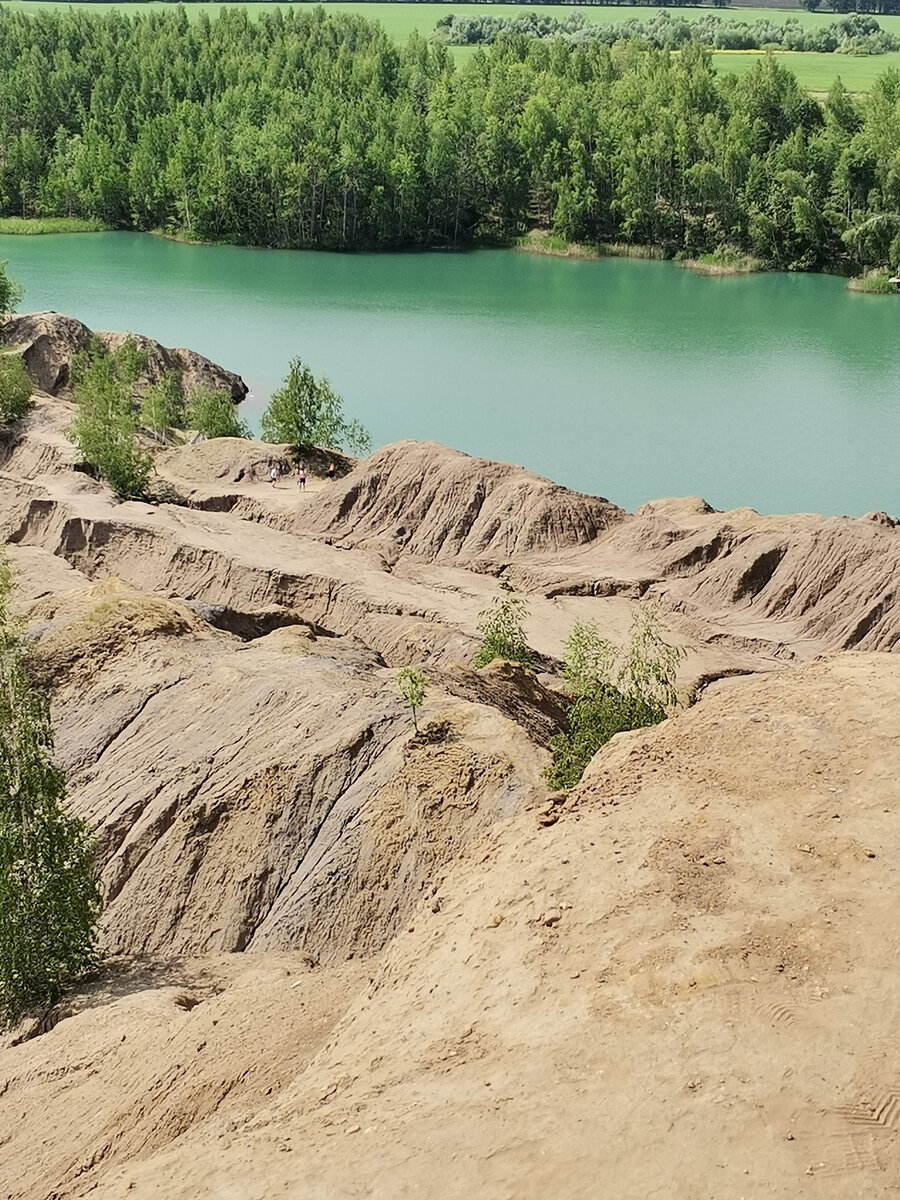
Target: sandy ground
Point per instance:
(677, 982)
(683, 988)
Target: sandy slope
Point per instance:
(683, 988)
(678, 982)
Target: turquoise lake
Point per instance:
(627, 379)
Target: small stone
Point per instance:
(552, 916)
(355, 1129)
(497, 919)
(804, 848)
(869, 853)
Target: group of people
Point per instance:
(275, 474)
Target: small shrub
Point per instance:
(411, 683)
(502, 629)
(613, 689)
(11, 291)
(15, 389)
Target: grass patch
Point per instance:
(814, 72)
(632, 250)
(723, 262)
(96, 623)
(37, 225)
(876, 282)
(184, 237)
(540, 241)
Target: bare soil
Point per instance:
(348, 961)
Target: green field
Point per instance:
(402, 19)
(814, 71)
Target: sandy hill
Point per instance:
(348, 960)
(685, 984)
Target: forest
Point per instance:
(853, 34)
(314, 130)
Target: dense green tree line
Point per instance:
(853, 34)
(883, 8)
(305, 129)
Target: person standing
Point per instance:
(301, 478)
(331, 470)
(273, 474)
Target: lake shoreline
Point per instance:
(713, 266)
(710, 266)
(539, 243)
(551, 246)
(49, 226)
(777, 393)
(877, 282)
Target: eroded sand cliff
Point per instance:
(677, 981)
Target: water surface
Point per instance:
(622, 378)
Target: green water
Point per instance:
(628, 379)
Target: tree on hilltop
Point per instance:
(212, 413)
(105, 425)
(306, 411)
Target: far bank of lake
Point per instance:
(620, 377)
